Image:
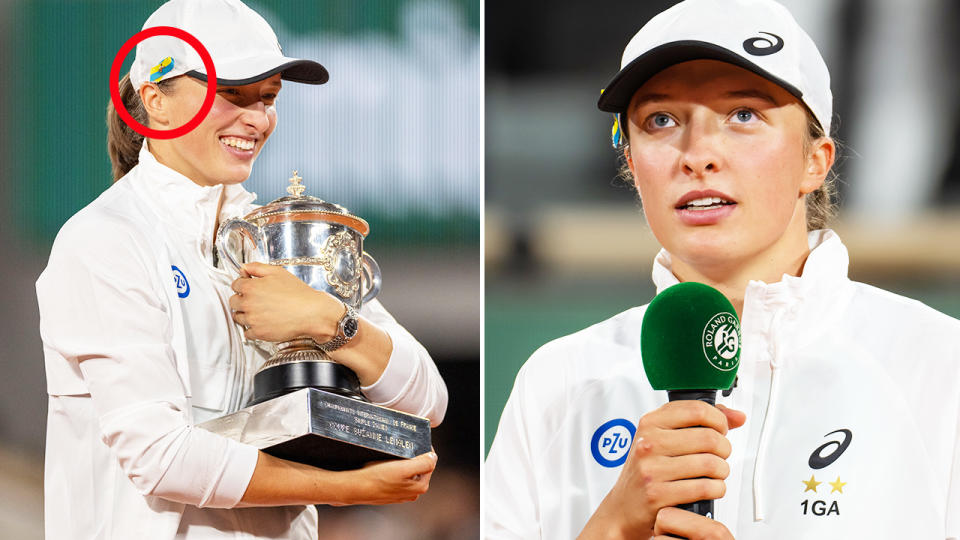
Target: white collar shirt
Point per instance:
(852, 402)
(139, 346)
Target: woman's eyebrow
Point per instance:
(649, 98)
(757, 94)
(652, 97)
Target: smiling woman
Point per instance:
(135, 359)
(219, 151)
(222, 149)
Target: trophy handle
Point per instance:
(371, 275)
(223, 235)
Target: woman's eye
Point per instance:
(661, 120)
(743, 116)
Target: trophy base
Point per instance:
(326, 430)
(280, 379)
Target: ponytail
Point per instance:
(123, 143)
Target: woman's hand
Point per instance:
(678, 456)
(388, 482)
(278, 482)
(274, 305)
(688, 525)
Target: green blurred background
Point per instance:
(395, 136)
(61, 56)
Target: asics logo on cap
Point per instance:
(761, 46)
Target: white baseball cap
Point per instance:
(758, 35)
(242, 45)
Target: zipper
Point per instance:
(769, 418)
(237, 355)
(220, 280)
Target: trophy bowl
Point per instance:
(321, 243)
(306, 407)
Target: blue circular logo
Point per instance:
(611, 442)
(183, 287)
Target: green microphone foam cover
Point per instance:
(690, 339)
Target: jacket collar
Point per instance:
(793, 311)
(828, 261)
(185, 205)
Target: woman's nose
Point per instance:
(701, 153)
(256, 115)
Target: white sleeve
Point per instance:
(953, 493)
(410, 382)
(510, 488)
(101, 306)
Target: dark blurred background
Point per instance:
(395, 136)
(565, 244)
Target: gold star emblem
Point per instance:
(837, 486)
(811, 484)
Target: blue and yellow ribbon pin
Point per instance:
(616, 133)
(161, 69)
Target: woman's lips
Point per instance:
(706, 216)
(704, 207)
(239, 153)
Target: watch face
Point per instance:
(350, 327)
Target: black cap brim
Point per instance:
(301, 71)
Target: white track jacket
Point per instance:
(140, 346)
(852, 397)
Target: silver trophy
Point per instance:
(305, 406)
(322, 244)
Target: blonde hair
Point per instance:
(123, 143)
(820, 204)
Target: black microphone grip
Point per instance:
(704, 508)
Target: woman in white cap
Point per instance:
(849, 394)
(136, 316)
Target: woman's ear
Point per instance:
(156, 103)
(819, 160)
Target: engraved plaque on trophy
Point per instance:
(306, 407)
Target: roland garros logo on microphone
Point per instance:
(721, 341)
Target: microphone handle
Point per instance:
(704, 508)
(706, 396)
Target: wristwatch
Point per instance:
(347, 329)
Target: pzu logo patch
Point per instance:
(180, 280)
(611, 442)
